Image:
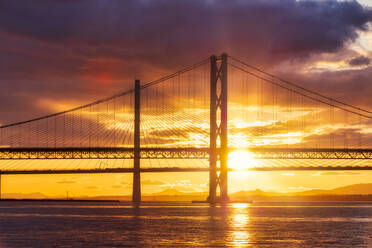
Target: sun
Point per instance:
(241, 160)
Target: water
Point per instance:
(36, 224)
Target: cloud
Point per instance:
(117, 186)
(288, 174)
(335, 173)
(185, 186)
(152, 182)
(91, 187)
(66, 182)
(300, 188)
(100, 28)
(361, 60)
(341, 138)
(144, 182)
(87, 49)
(126, 183)
(122, 185)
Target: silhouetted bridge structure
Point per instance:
(201, 113)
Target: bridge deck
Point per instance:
(176, 169)
(177, 153)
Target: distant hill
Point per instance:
(354, 192)
(354, 189)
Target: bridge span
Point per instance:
(200, 113)
(178, 153)
(188, 169)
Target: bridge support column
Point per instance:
(218, 156)
(136, 194)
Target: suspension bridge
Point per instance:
(193, 120)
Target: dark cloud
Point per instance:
(147, 29)
(351, 86)
(361, 60)
(340, 138)
(84, 50)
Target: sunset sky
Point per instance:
(55, 55)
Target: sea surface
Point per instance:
(73, 224)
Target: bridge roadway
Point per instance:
(176, 153)
(178, 169)
(180, 153)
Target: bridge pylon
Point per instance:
(136, 194)
(218, 152)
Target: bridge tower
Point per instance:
(218, 154)
(136, 194)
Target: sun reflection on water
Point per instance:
(239, 222)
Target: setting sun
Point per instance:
(241, 160)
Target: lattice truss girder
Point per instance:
(177, 153)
